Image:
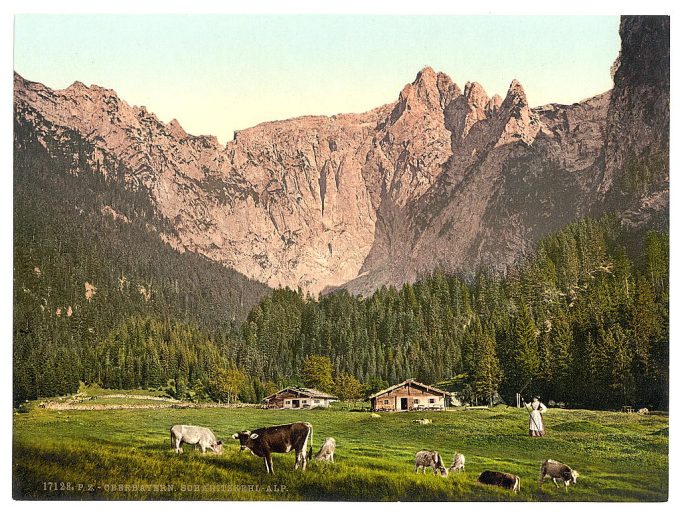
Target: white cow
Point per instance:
(458, 463)
(196, 435)
(327, 451)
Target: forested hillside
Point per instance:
(580, 322)
(87, 257)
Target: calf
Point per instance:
(196, 435)
(327, 451)
(498, 479)
(557, 471)
(430, 459)
(278, 439)
(458, 463)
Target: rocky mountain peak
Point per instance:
(476, 95)
(494, 104)
(516, 95)
(425, 92)
(176, 130)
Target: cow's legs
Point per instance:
(268, 458)
(266, 464)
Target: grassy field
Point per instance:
(125, 454)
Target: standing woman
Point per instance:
(536, 410)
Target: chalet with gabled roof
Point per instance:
(409, 395)
(298, 398)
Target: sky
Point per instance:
(220, 73)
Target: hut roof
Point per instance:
(303, 392)
(411, 381)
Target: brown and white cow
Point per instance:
(327, 451)
(498, 479)
(430, 459)
(557, 471)
(262, 442)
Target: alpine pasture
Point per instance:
(125, 454)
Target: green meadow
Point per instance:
(125, 454)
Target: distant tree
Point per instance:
(317, 372)
(347, 387)
(374, 385)
(226, 384)
(487, 375)
(527, 360)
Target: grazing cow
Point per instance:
(327, 451)
(196, 435)
(458, 463)
(498, 479)
(557, 471)
(278, 439)
(430, 459)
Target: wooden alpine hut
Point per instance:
(298, 398)
(409, 395)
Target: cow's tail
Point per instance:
(172, 440)
(310, 434)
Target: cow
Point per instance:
(498, 479)
(430, 459)
(327, 451)
(556, 470)
(262, 442)
(196, 435)
(458, 463)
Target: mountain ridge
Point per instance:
(441, 177)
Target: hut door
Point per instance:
(296, 403)
(404, 403)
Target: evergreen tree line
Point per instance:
(582, 322)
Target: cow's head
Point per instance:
(217, 448)
(444, 472)
(245, 439)
(574, 476)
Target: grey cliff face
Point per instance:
(443, 177)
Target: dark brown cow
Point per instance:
(498, 479)
(278, 439)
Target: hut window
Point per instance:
(287, 402)
(316, 401)
(386, 402)
(432, 400)
(416, 401)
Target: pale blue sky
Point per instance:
(219, 73)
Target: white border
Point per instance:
(496, 7)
